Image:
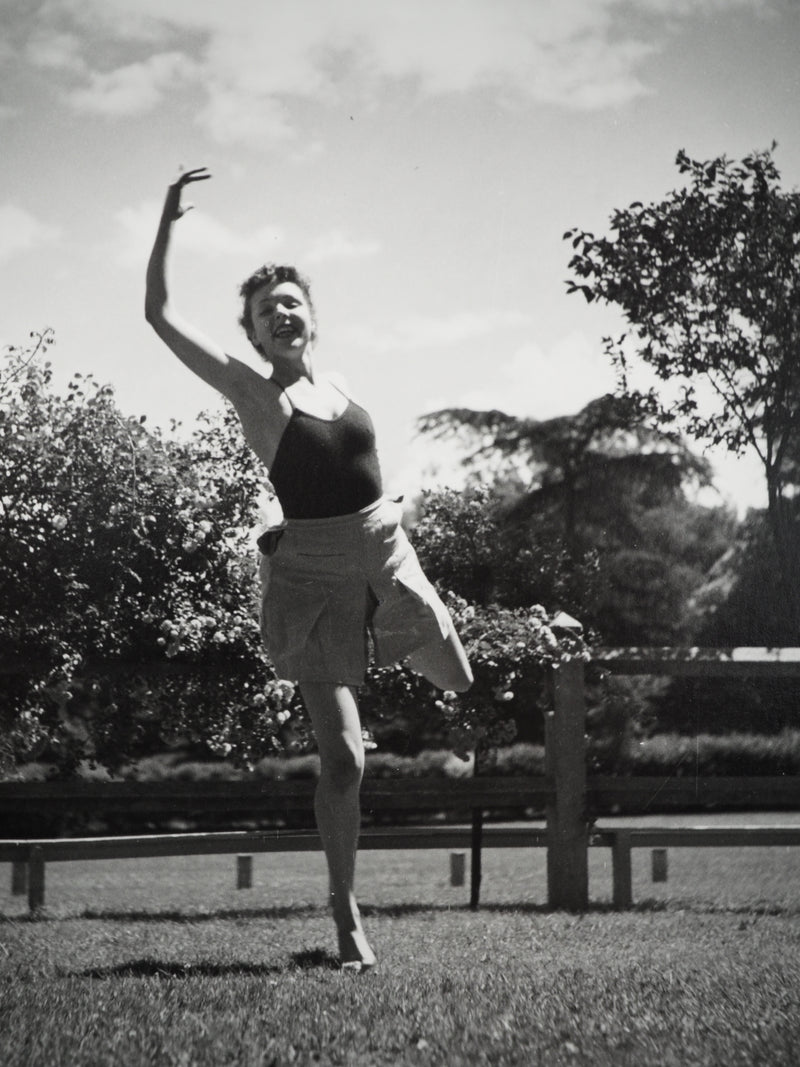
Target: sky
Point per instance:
(420, 160)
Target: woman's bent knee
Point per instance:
(462, 681)
(445, 664)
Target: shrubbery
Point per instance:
(663, 755)
(709, 754)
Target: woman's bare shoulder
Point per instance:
(340, 382)
(253, 388)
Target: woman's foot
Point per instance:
(355, 954)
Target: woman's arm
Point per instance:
(197, 352)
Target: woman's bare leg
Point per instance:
(444, 663)
(334, 716)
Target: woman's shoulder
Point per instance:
(341, 384)
(338, 381)
(256, 388)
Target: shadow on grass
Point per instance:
(397, 911)
(643, 907)
(307, 960)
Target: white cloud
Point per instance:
(231, 118)
(532, 383)
(198, 232)
(21, 232)
(542, 384)
(142, 21)
(256, 58)
(135, 88)
(419, 332)
(56, 51)
(336, 245)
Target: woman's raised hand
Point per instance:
(173, 207)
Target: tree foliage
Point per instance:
(465, 544)
(595, 519)
(572, 462)
(708, 280)
(126, 579)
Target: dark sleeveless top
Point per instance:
(326, 467)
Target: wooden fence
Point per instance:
(565, 793)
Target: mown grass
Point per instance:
(177, 967)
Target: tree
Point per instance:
(740, 602)
(126, 579)
(465, 544)
(584, 522)
(574, 462)
(708, 281)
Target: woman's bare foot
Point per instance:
(355, 953)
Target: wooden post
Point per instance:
(457, 867)
(35, 879)
(476, 872)
(19, 878)
(658, 859)
(621, 869)
(565, 766)
(244, 872)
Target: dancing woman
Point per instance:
(339, 566)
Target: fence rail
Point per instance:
(268, 795)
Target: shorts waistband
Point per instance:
(355, 518)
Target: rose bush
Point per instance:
(126, 578)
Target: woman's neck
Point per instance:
(287, 372)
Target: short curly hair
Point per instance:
(270, 274)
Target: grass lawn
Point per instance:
(165, 962)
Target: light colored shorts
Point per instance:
(332, 584)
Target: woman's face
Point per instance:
(282, 324)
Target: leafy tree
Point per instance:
(574, 461)
(587, 528)
(740, 602)
(126, 579)
(708, 281)
(466, 545)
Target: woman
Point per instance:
(339, 566)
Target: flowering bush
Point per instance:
(127, 580)
(508, 649)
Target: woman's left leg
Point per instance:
(444, 663)
(337, 727)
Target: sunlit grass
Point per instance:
(504, 986)
(178, 967)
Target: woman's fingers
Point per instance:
(196, 174)
(173, 207)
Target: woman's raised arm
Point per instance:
(196, 351)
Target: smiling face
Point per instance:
(281, 320)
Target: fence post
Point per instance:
(658, 860)
(476, 866)
(457, 868)
(244, 872)
(19, 878)
(35, 879)
(565, 767)
(622, 874)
